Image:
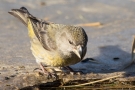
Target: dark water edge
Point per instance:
(101, 86)
(82, 88)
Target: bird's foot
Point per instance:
(52, 75)
(73, 71)
(45, 72)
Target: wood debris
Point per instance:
(90, 24)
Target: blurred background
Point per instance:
(109, 24)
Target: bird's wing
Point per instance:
(36, 27)
(42, 32)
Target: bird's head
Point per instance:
(73, 40)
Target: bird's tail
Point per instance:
(22, 14)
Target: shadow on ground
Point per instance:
(111, 59)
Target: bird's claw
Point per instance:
(73, 71)
(52, 76)
(76, 73)
(49, 75)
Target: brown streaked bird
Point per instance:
(55, 45)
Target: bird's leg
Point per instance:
(71, 70)
(46, 72)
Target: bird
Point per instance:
(52, 44)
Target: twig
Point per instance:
(79, 85)
(90, 24)
(133, 50)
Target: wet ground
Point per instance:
(109, 44)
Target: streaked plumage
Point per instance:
(52, 44)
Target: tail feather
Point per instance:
(22, 14)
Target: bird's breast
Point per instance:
(60, 60)
(52, 58)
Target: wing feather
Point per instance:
(41, 31)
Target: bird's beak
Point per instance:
(78, 51)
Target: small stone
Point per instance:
(63, 74)
(22, 67)
(72, 73)
(7, 78)
(12, 75)
(8, 85)
(78, 73)
(16, 70)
